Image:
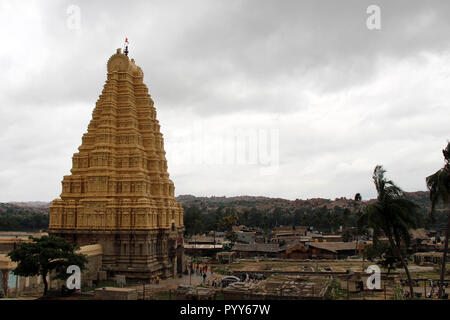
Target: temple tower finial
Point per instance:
(126, 47)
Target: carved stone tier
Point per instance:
(119, 192)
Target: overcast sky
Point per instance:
(291, 99)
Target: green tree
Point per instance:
(232, 236)
(382, 253)
(439, 186)
(44, 255)
(347, 236)
(193, 220)
(255, 218)
(393, 214)
(229, 220)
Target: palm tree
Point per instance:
(439, 186)
(392, 214)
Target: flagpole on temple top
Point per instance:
(126, 47)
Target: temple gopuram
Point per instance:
(119, 193)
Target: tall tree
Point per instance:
(439, 186)
(393, 214)
(193, 220)
(44, 255)
(229, 220)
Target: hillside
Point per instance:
(241, 203)
(25, 216)
(15, 217)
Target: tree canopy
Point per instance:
(391, 214)
(44, 255)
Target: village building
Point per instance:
(296, 251)
(288, 233)
(246, 237)
(423, 240)
(205, 240)
(429, 258)
(267, 250)
(333, 250)
(200, 249)
(332, 238)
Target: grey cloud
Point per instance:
(228, 63)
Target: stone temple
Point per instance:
(119, 193)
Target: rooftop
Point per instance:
(333, 246)
(259, 247)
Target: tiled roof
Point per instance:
(258, 247)
(333, 246)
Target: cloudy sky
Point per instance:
(291, 99)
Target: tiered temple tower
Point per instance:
(119, 193)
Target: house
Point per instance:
(296, 251)
(246, 237)
(205, 240)
(240, 228)
(429, 258)
(288, 233)
(332, 250)
(271, 250)
(197, 249)
(332, 238)
(421, 241)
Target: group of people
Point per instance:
(200, 270)
(434, 289)
(154, 280)
(215, 283)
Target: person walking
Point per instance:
(204, 277)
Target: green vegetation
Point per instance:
(439, 186)
(393, 215)
(44, 255)
(200, 219)
(334, 291)
(381, 253)
(15, 218)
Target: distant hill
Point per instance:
(241, 203)
(23, 217)
(32, 204)
(33, 215)
(25, 207)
